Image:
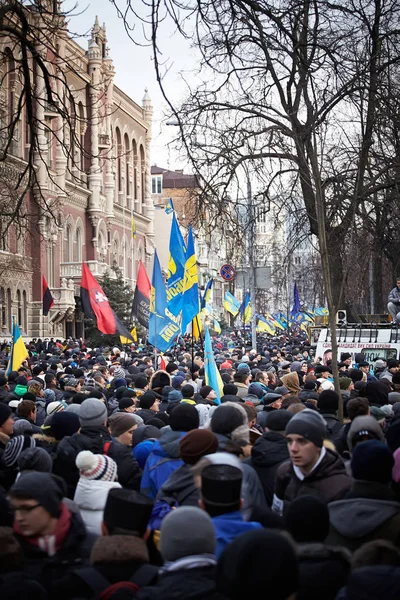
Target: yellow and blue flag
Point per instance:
(281, 319)
(212, 375)
(190, 298)
(163, 328)
(206, 298)
(264, 325)
(217, 326)
(321, 312)
(231, 305)
(176, 268)
(170, 207)
(245, 309)
(276, 324)
(19, 353)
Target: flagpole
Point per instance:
(192, 346)
(155, 340)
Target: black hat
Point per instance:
(141, 382)
(221, 485)
(226, 419)
(271, 397)
(46, 488)
(147, 400)
(127, 509)
(307, 519)
(321, 369)
(310, 425)
(171, 367)
(345, 356)
(184, 417)
(160, 379)
(328, 400)
(5, 412)
(277, 420)
(126, 402)
(145, 432)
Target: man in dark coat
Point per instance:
(312, 469)
(270, 450)
(187, 545)
(370, 510)
(94, 436)
(328, 404)
(53, 538)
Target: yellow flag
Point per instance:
(125, 340)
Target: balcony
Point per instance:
(73, 270)
(51, 109)
(104, 140)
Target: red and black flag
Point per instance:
(48, 300)
(96, 306)
(141, 298)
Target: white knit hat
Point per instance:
(96, 466)
(54, 407)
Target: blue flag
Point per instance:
(245, 309)
(163, 328)
(206, 297)
(296, 300)
(212, 375)
(231, 305)
(170, 207)
(190, 299)
(176, 268)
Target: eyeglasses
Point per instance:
(24, 510)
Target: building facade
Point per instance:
(94, 191)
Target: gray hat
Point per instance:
(393, 397)
(175, 542)
(379, 364)
(22, 426)
(47, 489)
(70, 381)
(310, 425)
(35, 459)
(364, 426)
(281, 390)
(93, 413)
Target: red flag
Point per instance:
(95, 303)
(141, 298)
(162, 364)
(48, 301)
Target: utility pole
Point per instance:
(252, 272)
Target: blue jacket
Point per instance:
(162, 462)
(230, 526)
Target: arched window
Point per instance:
(115, 252)
(78, 245)
(9, 317)
(135, 166)
(68, 244)
(25, 310)
(127, 169)
(19, 310)
(142, 178)
(119, 160)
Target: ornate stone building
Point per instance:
(94, 194)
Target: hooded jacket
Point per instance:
(328, 481)
(269, 451)
(94, 439)
(91, 497)
(369, 512)
(364, 423)
(162, 462)
(180, 488)
(372, 583)
(323, 570)
(228, 527)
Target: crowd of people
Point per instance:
(122, 479)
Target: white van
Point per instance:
(382, 341)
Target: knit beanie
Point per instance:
(47, 489)
(49, 396)
(54, 407)
(372, 461)
(119, 373)
(276, 420)
(145, 432)
(171, 367)
(96, 466)
(21, 427)
(310, 425)
(121, 422)
(307, 519)
(63, 424)
(15, 446)
(344, 382)
(35, 459)
(196, 444)
(141, 382)
(174, 396)
(184, 417)
(125, 402)
(242, 571)
(5, 412)
(142, 450)
(328, 401)
(93, 413)
(147, 400)
(186, 531)
(177, 381)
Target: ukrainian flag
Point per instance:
(207, 296)
(190, 298)
(321, 312)
(263, 325)
(212, 375)
(133, 227)
(176, 268)
(217, 326)
(163, 328)
(231, 305)
(170, 207)
(19, 353)
(245, 309)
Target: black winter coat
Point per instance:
(180, 487)
(94, 439)
(192, 584)
(269, 451)
(323, 571)
(374, 582)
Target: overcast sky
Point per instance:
(134, 65)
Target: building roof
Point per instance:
(175, 179)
